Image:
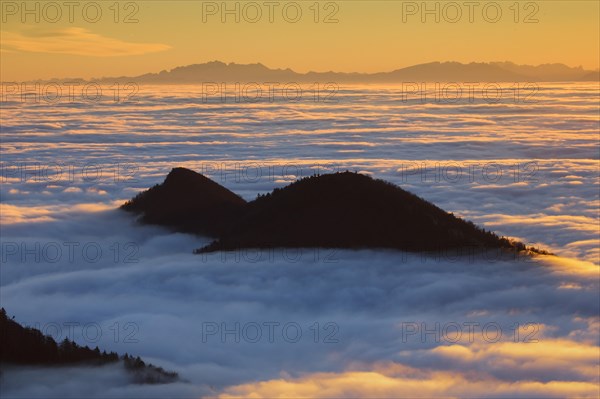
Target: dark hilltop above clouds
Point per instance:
(217, 71)
(340, 210)
(188, 202)
(26, 346)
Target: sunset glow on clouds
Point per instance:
(397, 381)
(504, 369)
(74, 41)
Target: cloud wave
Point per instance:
(76, 41)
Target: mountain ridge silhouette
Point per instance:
(339, 210)
(448, 71)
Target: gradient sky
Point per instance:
(369, 36)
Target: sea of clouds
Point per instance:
(310, 322)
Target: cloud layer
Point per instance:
(372, 323)
(306, 322)
(523, 169)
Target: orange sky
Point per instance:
(362, 36)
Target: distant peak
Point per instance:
(179, 174)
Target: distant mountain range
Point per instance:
(340, 210)
(217, 71)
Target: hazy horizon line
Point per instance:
(291, 70)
